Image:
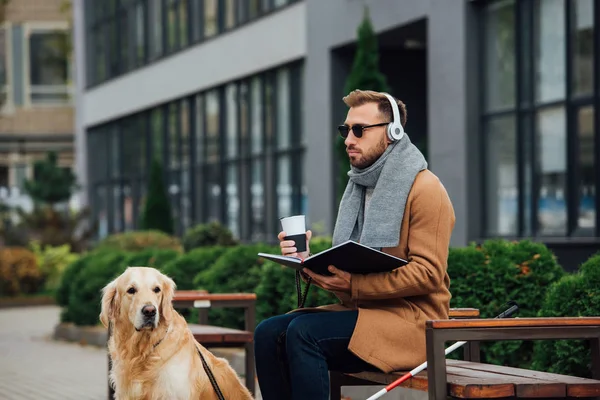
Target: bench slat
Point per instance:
(458, 386)
(215, 334)
(193, 295)
(474, 380)
(524, 387)
(463, 313)
(575, 386)
(514, 322)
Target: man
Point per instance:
(392, 203)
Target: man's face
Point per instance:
(364, 151)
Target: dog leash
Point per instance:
(211, 377)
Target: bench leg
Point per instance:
(595, 350)
(436, 366)
(471, 351)
(250, 371)
(335, 386)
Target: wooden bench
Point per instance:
(471, 379)
(216, 336)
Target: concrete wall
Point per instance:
(244, 51)
(333, 23)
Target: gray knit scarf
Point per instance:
(392, 176)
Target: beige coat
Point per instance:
(393, 307)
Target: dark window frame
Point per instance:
(525, 111)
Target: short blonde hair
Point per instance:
(357, 98)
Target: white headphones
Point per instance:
(394, 130)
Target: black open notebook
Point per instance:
(349, 256)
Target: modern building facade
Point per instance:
(36, 91)
(240, 100)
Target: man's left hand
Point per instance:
(338, 282)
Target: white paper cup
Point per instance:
(295, 228)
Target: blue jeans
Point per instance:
(294, 353)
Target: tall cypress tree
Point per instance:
(156, 214)
(365, 75)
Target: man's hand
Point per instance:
(288, 247)
(339, 282)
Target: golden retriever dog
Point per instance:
(154, 354)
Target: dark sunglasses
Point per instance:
(357, 130)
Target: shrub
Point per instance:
(209, 234)
(140, 240)
(19, 272)
(85, 295)
(155, 258)
(52, 262)
(276, 290)
(488, 276)
(186, 268)
(576, 295)
(237, 270)
(63, 290)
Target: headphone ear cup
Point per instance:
(394, 132)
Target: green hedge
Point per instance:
(488, 276)
(483, 276)
(575, 295)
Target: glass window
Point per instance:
(115, 151)
(140, 33)
(199, 129)
(213, 192)
(232, 120)
(3, 67)
(501, 176)
(157, 134)
(500, 55)
(244, 115)
(284, 186)
(196, 19)
(210, 18)
(156, 28)
(284, 131)
(125, 61)
(172, 33)
(582, 38)
(269, 109)
(587, 184)
(48, 67)
(280, 3)
(257, 128)
(212, 126)
(551, 148)
(183, 23)
(549, 37)
(174, 157)
(257, 193)
(230, 8)
(185, 163)
(233, 201)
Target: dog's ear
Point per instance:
(110, 303)
(166, 306)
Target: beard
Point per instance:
(365, 160)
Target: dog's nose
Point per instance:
(149, 311)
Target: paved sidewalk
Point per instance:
(34, 367)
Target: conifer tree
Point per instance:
(365, 75)
(51, 184)
(156, 214)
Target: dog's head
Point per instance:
(141, 294)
